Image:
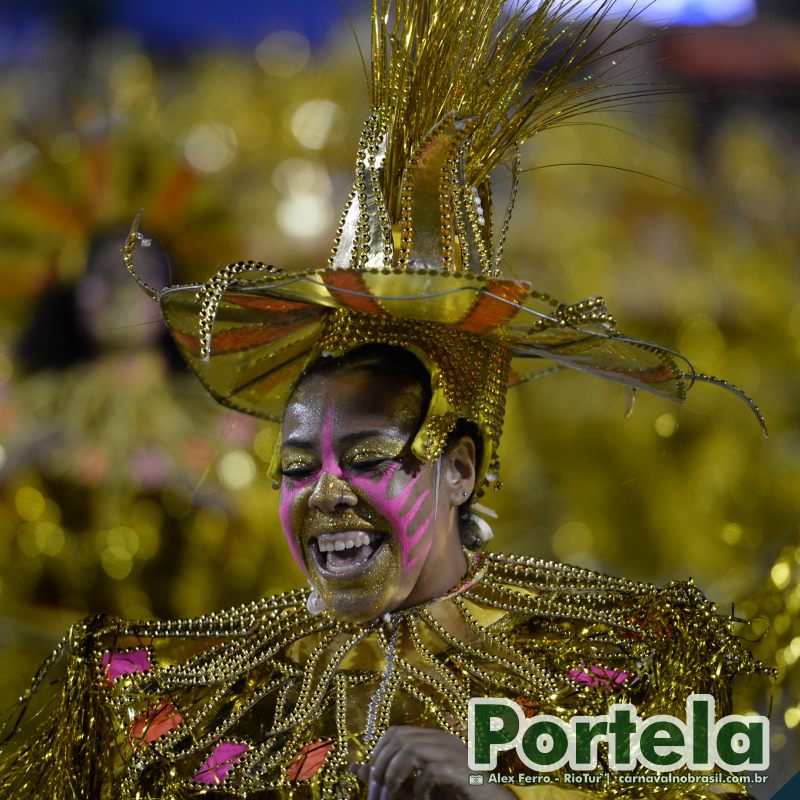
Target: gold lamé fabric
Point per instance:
(268, 701)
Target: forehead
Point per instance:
(355, 399)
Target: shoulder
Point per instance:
(568, 591)
(96, 638)
(113, 687)
(120, 647)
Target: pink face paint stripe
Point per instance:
(421, 531)
(392, 509)
(382, 483)
(406, 493)
(329, 463)
(423, 553)
(408, 517)
(289, 495)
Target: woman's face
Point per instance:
(373, 529)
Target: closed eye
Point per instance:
(376, 466)
(297, 472)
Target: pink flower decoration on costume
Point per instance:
(600, 677)
(216, 768)
(125, 663)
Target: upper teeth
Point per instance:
(356, 540)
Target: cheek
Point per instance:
(290, 493)
(408, 506)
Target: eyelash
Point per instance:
(378, 465)
(296, 473)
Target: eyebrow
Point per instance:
(304, 444)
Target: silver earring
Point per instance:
(315, 604)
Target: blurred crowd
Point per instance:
(124, 489)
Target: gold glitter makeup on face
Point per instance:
(359, 512)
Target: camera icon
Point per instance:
(476, 779)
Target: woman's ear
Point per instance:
(458, 470)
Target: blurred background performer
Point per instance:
(122, 487)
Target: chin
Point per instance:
(365, 592)
(361, 604)
(357, 609)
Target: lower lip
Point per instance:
(346, 571)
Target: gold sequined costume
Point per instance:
(268, 701)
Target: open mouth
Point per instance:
(347, 552)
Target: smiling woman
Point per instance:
(387, 373)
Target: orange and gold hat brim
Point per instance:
(264, 327)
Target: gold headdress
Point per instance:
(456, 88)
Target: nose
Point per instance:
(331, 493)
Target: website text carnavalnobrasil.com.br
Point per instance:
(607, 778)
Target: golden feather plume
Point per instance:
(515, 69)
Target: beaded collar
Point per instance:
(268, 698)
